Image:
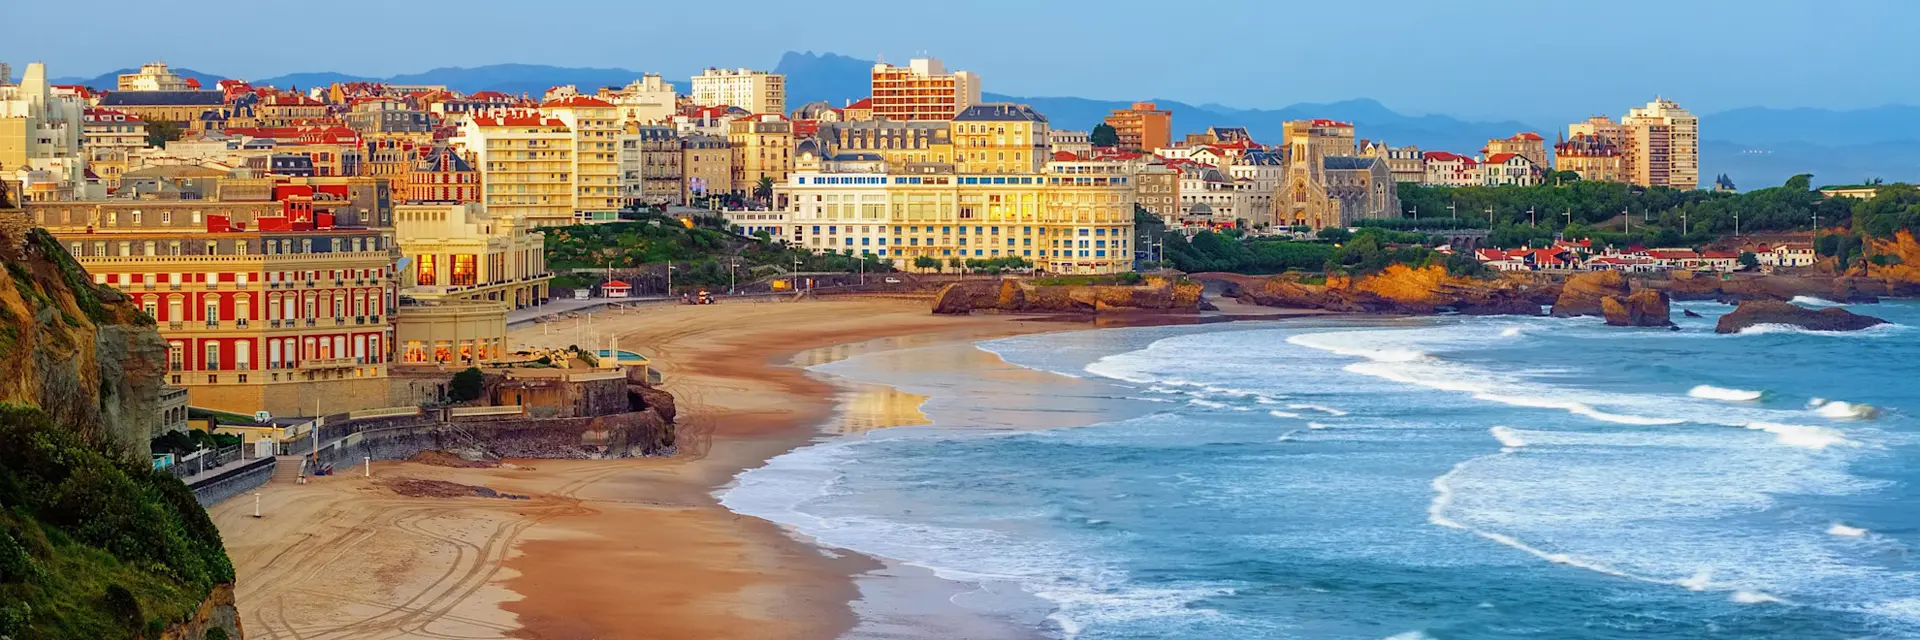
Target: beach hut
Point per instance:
(616, 289)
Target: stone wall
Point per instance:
(220, 488)
(298, 399)
(641, 433)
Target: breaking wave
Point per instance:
(1710, 392)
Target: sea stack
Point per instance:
(1758, 312)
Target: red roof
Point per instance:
(863, 103)
(617, 284)
(1323, 122)
(1526, 136)
(1447, 156)
(805, 128)
(489, 96)
(1065, 156)
(1674, 254)
(577, 101)
(1721, 255)
(1501, 158)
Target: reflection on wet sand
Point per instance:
(865, 407)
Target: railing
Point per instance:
(387, 412)
(503, 410)
(327, 363)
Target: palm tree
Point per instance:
(763, 190)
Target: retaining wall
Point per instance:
(234, 482)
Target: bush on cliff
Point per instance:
(467, 385)
(93, 545)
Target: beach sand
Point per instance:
(608, 548)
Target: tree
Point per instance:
(926, 262)
(959, 264)
(1335, 234)
(466, 385)
(763, 190)
(1749, 261)
(161, 132)
(1104, 135)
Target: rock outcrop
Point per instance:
(1758, 312)
(642, 395)
(1643, 308)
(1584, 293)
(1155, 294)
(1398, 289)
(79, 351)
(216, 612)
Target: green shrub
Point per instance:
(466, 385)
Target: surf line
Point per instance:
(1443, 498)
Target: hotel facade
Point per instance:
(922, 90)
(263, 305)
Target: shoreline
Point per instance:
(628, 548)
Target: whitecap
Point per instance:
(1316, 425)
(1282, 414)
(1841, 409)
(1755, 597)
(1410, 635)
(1508, 438)
(1320, 408)
(1710, 392)
(1510, 332)
(1845, 531)
(1699, 581)
(1811, 301)
(1207, 403)
(1803, 436)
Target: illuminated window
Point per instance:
(424, 273)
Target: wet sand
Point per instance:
(603, 549)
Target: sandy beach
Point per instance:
(601, 549)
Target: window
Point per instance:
(242, 355)
(176, 356)
(212, 363)
(424, 272)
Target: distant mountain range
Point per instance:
(1756, 146)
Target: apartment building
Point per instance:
(1069, 217)
(1593, 157)
(1000, 138)
(651, 161)
(441, 175)
(264, 305)
(1448, 169)
(1525, 144)
(526, 166)
(898, 143)
(596, 128)
(762, 148)
(755, 91)
(1143, 126)
(922, 90)
(41, 138)
(647, 101)
(706, 164)
(1663, 145)
(153, 76)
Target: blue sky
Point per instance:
(1473, 58)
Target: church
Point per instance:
(1327, 182)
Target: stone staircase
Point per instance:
(286, 469)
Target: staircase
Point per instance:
(286, 469)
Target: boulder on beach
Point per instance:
(1759, 312)
(1643, 308)
(1583, 293)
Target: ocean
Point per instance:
(1445, 477)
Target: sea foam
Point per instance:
(1811, 301)
(1710, 392)
(1845, 531)
(1508, 438)
(1803, 436)
(1840, 409)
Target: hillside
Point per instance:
(700, 254)
(93, 543)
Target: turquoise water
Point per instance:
(1426, 478)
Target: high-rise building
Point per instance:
(755, 91)
(596, 129)
(1142, 127)
(1000, 138)
(526, 166)
(1663, 145)
(762, 148)
(41, 135)
(922, 90)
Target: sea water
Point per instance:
(1411, 478)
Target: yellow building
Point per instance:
(153, 76)
(526, 166)
(1593, 157)
(596, 128)
(1070, 217)
(1527, 145)
(1663, 145)
(264, 305)
(706, 164)
(762, 148)
(459, 252)
(999, 138)
(897, 143)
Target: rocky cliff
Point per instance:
(1608, 294)
(1154, 294)
(1399, 289)
(1902, 276)
(79, 351)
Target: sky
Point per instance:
(1482, 59)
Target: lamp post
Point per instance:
(1532, 221)
(1453, 212)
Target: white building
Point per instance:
(40, 137)
(1078, 143)
(1258, 174)
(648, 100)
(153, 76)
(755, 91)
(1447, 169)
(1509, 169)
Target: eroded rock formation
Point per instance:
(1758, 312)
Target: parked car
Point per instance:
(892, 280)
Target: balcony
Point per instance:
(312, 323)
(175, 325)
(312, 364)
(241, 323)
(273, 324)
